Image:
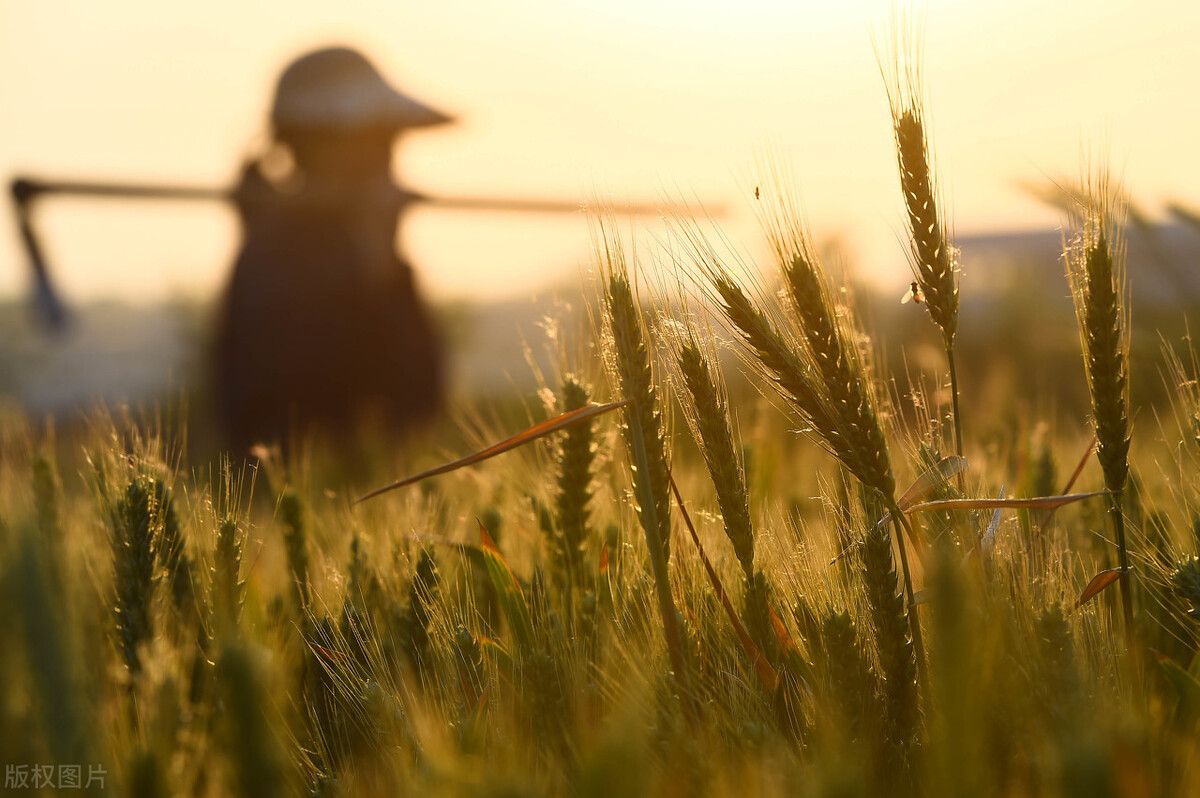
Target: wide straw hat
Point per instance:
(337, 88)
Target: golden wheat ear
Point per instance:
(816, 369)
(707, 409)
(630, 365)
(1095, 261)
(931, 252)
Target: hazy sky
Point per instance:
(562, 98)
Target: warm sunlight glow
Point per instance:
(558, 100)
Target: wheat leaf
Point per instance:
(511, 598)
(1042, 503)
(541, 430)
(938, 474)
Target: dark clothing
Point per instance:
(316, 333)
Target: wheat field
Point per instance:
(726, 555)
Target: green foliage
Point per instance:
(512, 599)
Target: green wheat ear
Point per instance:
(422, 596)
(134, 545)
(172, 554)
(845, 385)
(706, 408)
(1105, 332)
(1186, 581)
(851, 681)
(1059, 672)
(295, 539)
(228, 589)
(576, 457)
(896, 658)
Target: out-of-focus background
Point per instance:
(630, 99)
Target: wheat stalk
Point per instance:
(706, 408)
(259, 766)
(38, 591)
(1095, 260)
(46, 492)
(644, 424)
(932, 253)
(644, 437)
(818, 371)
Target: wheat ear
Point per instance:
(228, 589)
(843, 374)
(645, 439)
(711, 417)
(896, 656)
(576, 456)
(295, 539)
(134, 543)
(835, 401)
(931, 252)
(1095, 258)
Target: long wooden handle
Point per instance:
(50, 309)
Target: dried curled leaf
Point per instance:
(1099, 583)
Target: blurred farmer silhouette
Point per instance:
(323, 323)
